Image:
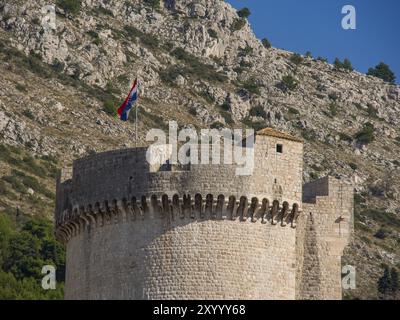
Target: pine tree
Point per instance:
(347, 65)
(383, 72)
(338, 64)
(266, 43)
(244, 13)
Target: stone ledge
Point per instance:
(75, 220)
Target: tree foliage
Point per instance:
(244, 13)
(288, 83)
(366, 134)
(266, 43)
(23, 254)
(382, 71)
(70, 6)
(388, 283)
(345, 65)
(152, 3)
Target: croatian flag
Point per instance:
(130, 100)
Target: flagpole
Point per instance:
(136, 125)
(136, 114)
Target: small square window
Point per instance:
(279, 148)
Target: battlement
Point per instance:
(277, 174)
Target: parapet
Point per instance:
(72, 221)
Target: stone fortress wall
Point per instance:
(199, 232)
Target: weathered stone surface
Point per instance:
(138, 231)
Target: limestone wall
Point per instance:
(165, 258)
(277, 174)
(324, 229)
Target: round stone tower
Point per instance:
(137, 231)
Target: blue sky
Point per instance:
(315, 25)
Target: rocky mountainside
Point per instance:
(199, 64)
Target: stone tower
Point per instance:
(201, 231)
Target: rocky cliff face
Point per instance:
(199, 64)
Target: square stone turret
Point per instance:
(278, 165)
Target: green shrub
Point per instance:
(322, 59)
(256, 125)
(308, 54)
(252, 86)
(333, 109)
(227, 117)
(131, 31)
(112, 90)
(152, 3)
(70, 6)
(382, 217)
(104, 11)
(157, 120)
(123, 78)
(238, 24)
(333, 96)
(217, 125)
(296, 58)
(258, 111)
(171, 73)
(226, 107)
(30, 164)
(21, 182)
(288, 83)
(314, 175)
(34, 64)
(15, 184)
(293, 110)
(243, 64)
(353, 166)
(366, 134)
(212, 33)
(244, 13)
(21, 87)
(3, 189)
(382, 71)
(195, 68)
(58, 66)
(388, 284)
(245, 51)
(359, 199)
(146, 39)
(93, 34)
(309, 134)
(28, 114)
(109, 108)
(382, 234)
(150, 41)
(49, 158)
(266, 43)
(36, 21)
